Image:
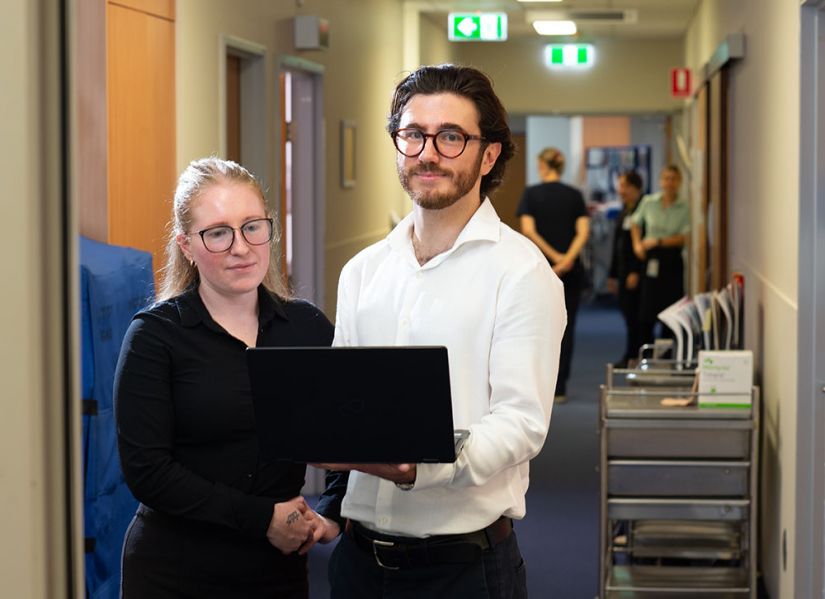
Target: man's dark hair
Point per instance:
(632, 178)
(469, 83)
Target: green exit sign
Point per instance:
(477, 27)
(562, 56)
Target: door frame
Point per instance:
(809, 580)
(255, 154)
(315, 245)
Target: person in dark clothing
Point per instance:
(553, 215)
(215, 519)
(659, 229)
(625, 266)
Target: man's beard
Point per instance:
(462, 184)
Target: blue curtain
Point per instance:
(115, 282)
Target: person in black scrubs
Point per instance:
(625, 266)
(553, 215)
(215, 519)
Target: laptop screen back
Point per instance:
(353, 404)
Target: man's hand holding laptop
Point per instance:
(397, 473)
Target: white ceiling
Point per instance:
(660, 19)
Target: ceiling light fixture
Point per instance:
(555, 27)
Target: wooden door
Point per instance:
(141, 123)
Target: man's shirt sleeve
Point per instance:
(523, 367)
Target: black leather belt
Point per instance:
(396, 553)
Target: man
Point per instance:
(450, 274)
(553, 215)
(625, 266)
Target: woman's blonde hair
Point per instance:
(553, 158)
(179, 274)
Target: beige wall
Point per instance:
(764, 233)
(434, 47)
(21, 468)
(33, 561)
(631, 76)
(362, 65)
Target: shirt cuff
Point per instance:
(329, 503)
(254, 515)
(428, 476)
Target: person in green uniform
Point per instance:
(665, 219)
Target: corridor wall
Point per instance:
(763, 238)
(630, 76)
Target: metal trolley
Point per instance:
(678, 493)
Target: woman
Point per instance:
(553, 215)
(215, 520)
(625, 266)
(665, 219)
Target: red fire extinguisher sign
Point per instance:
(680, 86)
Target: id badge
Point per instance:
(653, 268)
(627, 223)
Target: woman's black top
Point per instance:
(184, 414)
(555, 208)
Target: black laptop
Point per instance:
(353, 404)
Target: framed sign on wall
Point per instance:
(347, 153)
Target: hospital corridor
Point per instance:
(413, 298)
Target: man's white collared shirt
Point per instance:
(494, 302)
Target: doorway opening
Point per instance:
(303, 181)
(243, 84)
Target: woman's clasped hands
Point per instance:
(297, 527)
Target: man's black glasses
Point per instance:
(449, 143)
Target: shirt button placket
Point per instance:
(403, 334)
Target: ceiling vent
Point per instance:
(583, 16)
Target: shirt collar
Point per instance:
(192, 310)
(484, 225)
(658, 198)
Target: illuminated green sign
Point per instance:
(561, 56)
(477, 27)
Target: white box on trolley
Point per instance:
(725, 378)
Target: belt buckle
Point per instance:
(376, 543)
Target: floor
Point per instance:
(559, 536)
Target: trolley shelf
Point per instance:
(678, 509)
(675, 581)
(657, 478)
(637, 403)
(694, 540)
(684, 438)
